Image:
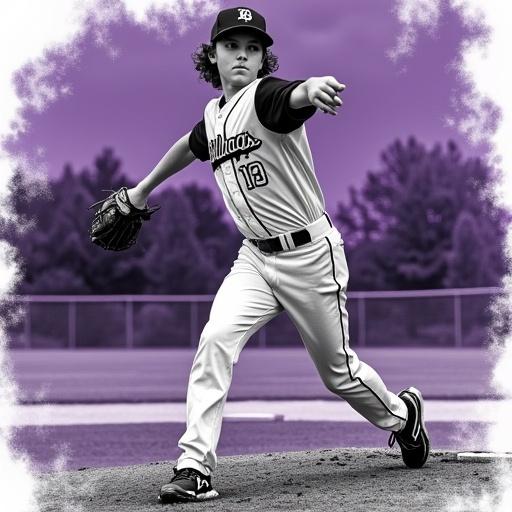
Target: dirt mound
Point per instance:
(320, 480)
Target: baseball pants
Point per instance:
(310, 283)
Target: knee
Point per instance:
(215, 341)
(333, 386)
(337, 383)
(217, 334)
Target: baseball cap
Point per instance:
(240, 17)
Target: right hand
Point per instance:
(137, 198)
(323, 92)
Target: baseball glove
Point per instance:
(117, 223)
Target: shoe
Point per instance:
(413, 438)
(187, 484)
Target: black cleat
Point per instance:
(413, 439)
(187, 484)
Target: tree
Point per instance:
(403, 218)
(174, 259)
(106, 174)
(219, 240)
(185, 248)
(467, 262)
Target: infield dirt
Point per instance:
(321, 480)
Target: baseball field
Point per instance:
(160, 375)
(264, 464)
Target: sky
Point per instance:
(143, 93)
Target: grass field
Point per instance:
(126, 444)
(161, 375)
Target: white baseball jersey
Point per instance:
(260, 155)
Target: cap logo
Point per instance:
(245, 14)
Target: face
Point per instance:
(239, 57)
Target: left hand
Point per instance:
(116, 224)
(323, 93)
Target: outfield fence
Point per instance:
(445, 317)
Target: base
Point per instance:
(484, 456)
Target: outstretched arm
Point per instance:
(177, 158)
(322, 92)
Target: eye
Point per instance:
(230, 44)
(254, 47)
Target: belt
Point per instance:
(290, 240)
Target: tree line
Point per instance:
(424, 219)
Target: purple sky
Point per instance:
(149, 95)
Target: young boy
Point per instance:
(292, 257)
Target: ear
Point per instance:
(212, 55)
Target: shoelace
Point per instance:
(184, 474)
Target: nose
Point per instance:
(242, 55)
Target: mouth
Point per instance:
(241, 67)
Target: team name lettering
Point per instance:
(221, 149)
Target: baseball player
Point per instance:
(292, 257)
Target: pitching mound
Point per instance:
(321, 480)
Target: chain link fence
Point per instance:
(429, 318)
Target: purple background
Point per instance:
(147, 96)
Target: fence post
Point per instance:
(129, 323)
(194, 318)
(457, 324)
(361, 316)
(28, 326)
(72, 325)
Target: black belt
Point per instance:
(300, 237)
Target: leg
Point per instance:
(243, 303)
(316, 305)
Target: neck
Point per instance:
(230, 90)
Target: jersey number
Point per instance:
(254, 175)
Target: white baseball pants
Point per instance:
(310, 283)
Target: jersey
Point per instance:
(259, 151)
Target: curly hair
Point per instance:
(210, 73)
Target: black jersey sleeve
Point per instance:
(198, 142)
(272, 104)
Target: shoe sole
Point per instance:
(175, 496)
(418, 400)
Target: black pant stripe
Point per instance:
(344, 340)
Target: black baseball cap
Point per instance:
(241, 17)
